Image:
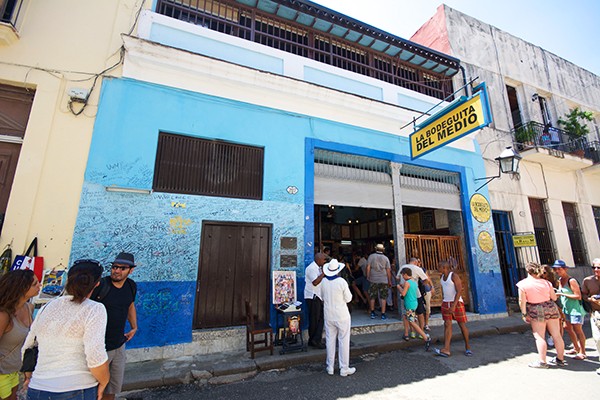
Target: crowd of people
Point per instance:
(74, 348)
(378, 286)
(551, 301)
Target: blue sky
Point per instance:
(570, 29)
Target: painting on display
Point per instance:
(284, 287)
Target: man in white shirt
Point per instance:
(336, 295)
(314, 303)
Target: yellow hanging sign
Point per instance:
(455, 121)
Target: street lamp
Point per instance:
(508, 163)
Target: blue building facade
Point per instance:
(164, 230)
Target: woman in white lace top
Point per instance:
(70, 335)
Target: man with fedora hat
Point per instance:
(117, 292)
(336, 295)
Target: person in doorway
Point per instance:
(408, 289)
(117, 294)
(427, 290)
(336, 294)
(16, 288)
(358, 279)
(590, 290)
(453, 308)
(380, 279)
(314, 303)
(537, 301)
(569, 298)
(362, 263)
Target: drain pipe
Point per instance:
(464, 75)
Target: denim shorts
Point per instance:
(81, 394)
(574, 319)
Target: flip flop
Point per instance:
(439, 353)
(580, 357)
(468, 353)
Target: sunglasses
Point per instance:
(122, 268)
(595, 267)
(87, 261)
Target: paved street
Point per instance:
(498, 370)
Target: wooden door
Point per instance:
(432, 249)
(9, 155)
(15, 106)
(234, 266)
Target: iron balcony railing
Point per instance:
(251, 24)
(534, 134)
(9, 11)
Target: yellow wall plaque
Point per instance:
(524, 240)
(480, 208)
(486, 243)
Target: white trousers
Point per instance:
(339, 330)
(594, 322)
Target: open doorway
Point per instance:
(430, 234)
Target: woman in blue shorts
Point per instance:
(569, 297)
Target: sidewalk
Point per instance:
(232, 367)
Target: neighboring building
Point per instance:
(232, 141)
(47, 50)
(557, 195)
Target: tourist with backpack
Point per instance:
(117, 293)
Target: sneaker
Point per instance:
(329, 371)
(383, 317)
(557, 362)
(538, 364)
(373, 315)
(348, 371)
(427, 328)
(428, 343)
(413, 335)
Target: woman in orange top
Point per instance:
(538, 308)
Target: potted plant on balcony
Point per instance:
(525, 136)
(574, 123)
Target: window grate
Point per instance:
(575, 238)
(208, 167)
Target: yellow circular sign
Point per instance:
(485, 242)
(480, 208)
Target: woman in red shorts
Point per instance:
(537, 301)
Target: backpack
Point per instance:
(104, 288)
(584, 304)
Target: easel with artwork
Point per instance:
(289, 312)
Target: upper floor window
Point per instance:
(191, 165)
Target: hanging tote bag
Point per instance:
(30, 260)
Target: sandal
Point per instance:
(406, 337)
(439, 353)
(468, 353)
(580, 357)
(571, 352)
(538, 364)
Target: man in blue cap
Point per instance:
(117, 292)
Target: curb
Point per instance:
(183, 372)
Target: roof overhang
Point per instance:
(333, 23)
